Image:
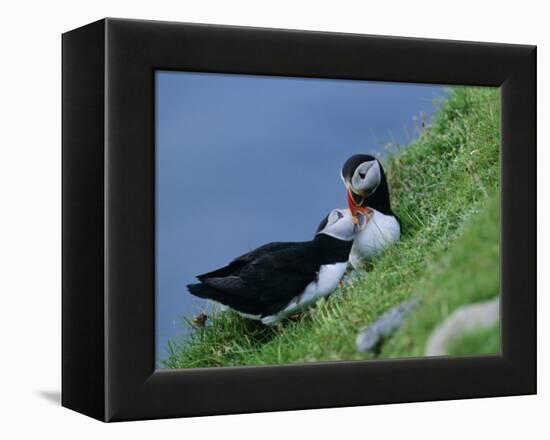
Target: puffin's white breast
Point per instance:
(328, 277)
(380, 232)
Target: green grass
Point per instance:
(485, 340)
(444, 188)
(467, 272)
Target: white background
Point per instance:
(30, 217)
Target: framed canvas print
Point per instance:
(261, 219)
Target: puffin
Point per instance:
(279, 279)
(368, 194)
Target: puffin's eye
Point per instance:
(362, 174)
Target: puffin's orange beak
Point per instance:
(354, 207)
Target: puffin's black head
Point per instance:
(340, 224)
(366, 184)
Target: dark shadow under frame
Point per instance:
(108, 219)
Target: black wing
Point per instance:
(235, 302)
(274, 276)
(237, 264)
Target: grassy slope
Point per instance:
(479, 341)
(466, 273)
(444, 189)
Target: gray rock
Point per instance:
(463, 320)
(370, 338)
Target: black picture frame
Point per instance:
(108, 219)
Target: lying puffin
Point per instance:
(368, 194)
(279, 279)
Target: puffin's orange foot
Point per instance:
(296, 316)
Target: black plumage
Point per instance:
(379, 199)
(263, 281)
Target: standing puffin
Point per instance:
(367, 193)
(279, 279)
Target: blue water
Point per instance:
(243, 160)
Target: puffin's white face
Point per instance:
(341, 225)
(366, 178)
